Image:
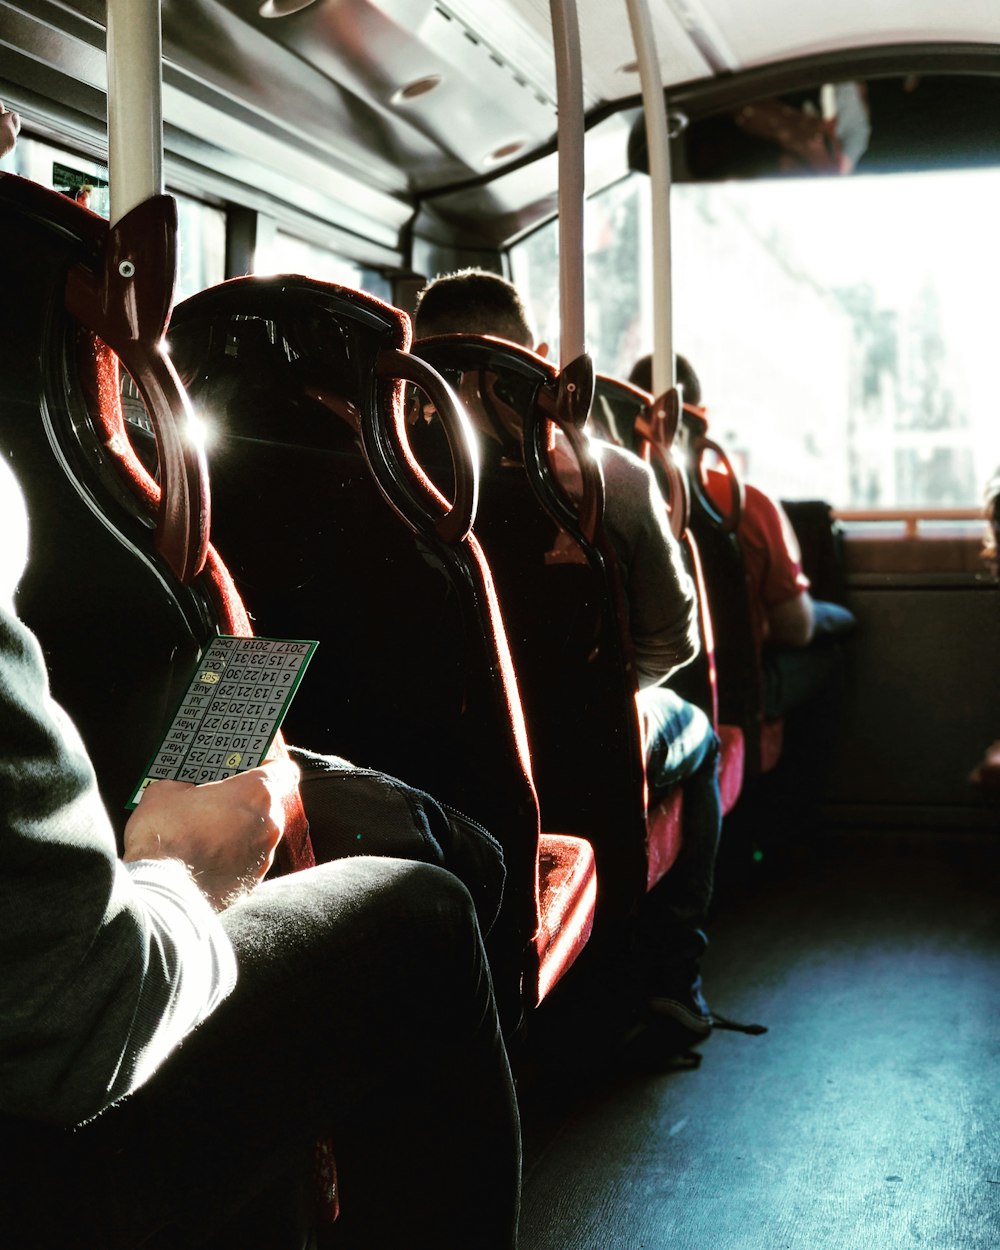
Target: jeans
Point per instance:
(681, 748)
(363, 1012)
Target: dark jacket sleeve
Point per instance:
(104, 967)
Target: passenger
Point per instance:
(10, 125)
(176, 1036)
(786, 619)
(681, 745)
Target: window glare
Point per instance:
(286, 253)
(201, 253)
(841, 328)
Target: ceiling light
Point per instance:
(505, 151)
(282, 8)
(418, 87)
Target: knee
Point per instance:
(421, 894)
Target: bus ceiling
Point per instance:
(449, 105)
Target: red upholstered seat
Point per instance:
(663, 837)
(771, 738)
(567, 895)
(731, 765)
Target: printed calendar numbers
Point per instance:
(233, 707)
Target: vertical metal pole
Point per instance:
(135, 111)
(658, 144)
(569, 91)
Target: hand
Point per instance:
(10, 124)
(225, 831)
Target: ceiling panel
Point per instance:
(605, 41)
(772, 30)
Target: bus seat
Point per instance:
(627, 409)
(821, 542)
(565, 620)
(120, 628)
(738, 664)
(567, 901)
(333, 532)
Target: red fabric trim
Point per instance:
(663, 837)
(567, 899)
(771, 739)
(732, 765)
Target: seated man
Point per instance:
(177, 1035)
(681, 745)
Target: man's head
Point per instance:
(642, 376)
(472, 301)
(10, 124)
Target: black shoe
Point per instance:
(680, 1020)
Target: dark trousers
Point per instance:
(681, 749)
(363, 1012)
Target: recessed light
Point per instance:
(418, 87)
(282, 8)
(504, 151)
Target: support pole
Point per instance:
(135, 109)
(569, 90)
(658, 145)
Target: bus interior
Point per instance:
(834, 193)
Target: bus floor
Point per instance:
(866, 1118)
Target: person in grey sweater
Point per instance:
(176, 1036)
(681, 744)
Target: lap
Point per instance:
(678, 736)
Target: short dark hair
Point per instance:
(472, 301)
(642, 376)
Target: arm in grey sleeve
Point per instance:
(662, 607)
(104, 968)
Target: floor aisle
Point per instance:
(867, 1118)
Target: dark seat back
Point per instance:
(821, 541)
(566, 620)
(412, 675)
(121, 625)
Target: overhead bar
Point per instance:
(135, 108)
(569, 91)
(658, 143)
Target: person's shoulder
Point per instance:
(619, 463)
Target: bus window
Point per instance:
(841, 334)
(619, 312)
(82, 179)
(201, 261)
(286, 253)
(201, 227)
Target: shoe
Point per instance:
(683, 1018)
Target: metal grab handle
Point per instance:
(726, 521)
(568, 411)
(387, 449)
(125, 300)
(658, 428)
